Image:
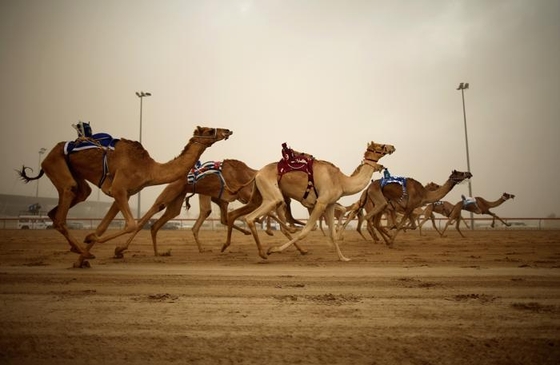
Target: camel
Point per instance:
(479, 206)
(120, 172)
(330, 185)
(231, 186)
(405, 198)
(210, 188)
(442, 207)
(365, 204)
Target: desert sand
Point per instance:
(490, 298)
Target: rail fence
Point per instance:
(214, 224)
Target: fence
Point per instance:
(214, 224)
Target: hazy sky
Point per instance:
(324, 76)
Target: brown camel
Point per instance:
(442, 207)
(330, 184)
(405, 198)
(236, 174)
(365, 204)
(120, 173)
(479, 206)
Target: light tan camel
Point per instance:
(236, 174)
(481, 206)
(442, 207)
(413, 195)
(330, 183)
(121, 173)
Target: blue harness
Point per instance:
(395, 180)
(98, 140)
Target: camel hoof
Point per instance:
(345, 259)
(118, 253)
(90, 238)
(263, 256)
(87, 255)
(303, 252)
(224, 247)
(82, 265)
(269, 233)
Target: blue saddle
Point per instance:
(393, 180)
(98, 140)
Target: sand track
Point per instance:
(492, 298)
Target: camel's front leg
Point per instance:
(329, 215)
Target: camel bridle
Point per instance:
(208, 140)
(377, 152)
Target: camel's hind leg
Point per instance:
(253, 204)
(173, 210)
(71, 191)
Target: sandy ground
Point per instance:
(492, 298)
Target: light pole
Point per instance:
(42, 150)
(141, 95)
(464, 86)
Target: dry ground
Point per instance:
(492, 298)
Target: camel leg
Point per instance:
(254, 202)
(280, 217)
(458, 229)
(359, 225)
(205, 209)
(71, 191)
(121, 204)
(173, 210)
(450, 221)
(173, 194)
(433, 219)
(318, 210)
(250, 219)
(494, 217)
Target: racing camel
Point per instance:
(365, 204)
(442, 207)
(214, 184)
(405, 196)
(329, 185)
(478, 206)
(120, 169)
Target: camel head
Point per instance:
(459, 176)
(207, 136)
(432, 186)
(375, 151)
(507, 196)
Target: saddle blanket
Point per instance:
(98, 140)
(201, 170)
(292, 161)
(468, 200)
(393, 180)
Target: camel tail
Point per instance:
(23, 175)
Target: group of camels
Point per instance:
(126, 168)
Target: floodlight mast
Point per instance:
(141, 95)
(464, 86)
